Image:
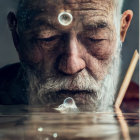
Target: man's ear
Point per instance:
(125, 23)
(12, 22)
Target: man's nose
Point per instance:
(71, 62)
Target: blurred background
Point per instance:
(8, 54)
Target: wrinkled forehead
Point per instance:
(67, 4)
(40, 12)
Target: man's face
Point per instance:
(68, 60)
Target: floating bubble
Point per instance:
(55, 135)
(69, 102)
(65, 18)
(68, 106)
(40, 129)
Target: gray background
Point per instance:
(8, 53)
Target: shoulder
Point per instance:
(11, 67)
(8, 75)
(131, 99)
(8, 72)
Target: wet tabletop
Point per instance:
(39, 123)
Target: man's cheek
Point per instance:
(31, 55)
(103, 50)
(99, 59)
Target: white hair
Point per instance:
(118, 5)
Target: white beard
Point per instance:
(105, 90)
(111, 83)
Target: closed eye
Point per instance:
(49, 39)
(95, 40)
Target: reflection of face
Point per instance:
(69, 60)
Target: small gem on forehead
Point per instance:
(65, 18)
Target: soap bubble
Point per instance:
(65, 18)
(40, 129)
(68, 106)
(69, 101)
(55, 135)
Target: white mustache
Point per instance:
(82, 81)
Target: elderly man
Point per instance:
(67, 48)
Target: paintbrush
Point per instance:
(127, 79)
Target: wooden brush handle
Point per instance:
(127, 79)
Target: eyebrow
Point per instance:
(97, 25)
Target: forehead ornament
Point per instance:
(65, 18)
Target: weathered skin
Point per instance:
(89, 41)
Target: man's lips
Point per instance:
(79, 96)
(85, 100)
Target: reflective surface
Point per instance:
(39, 123)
